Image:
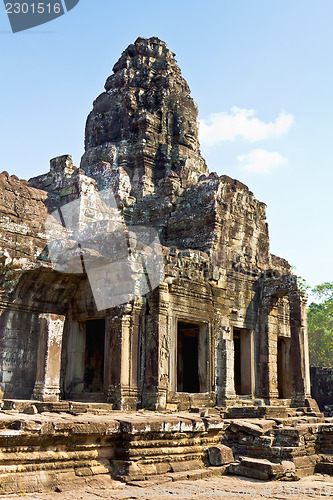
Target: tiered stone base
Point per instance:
(43, 444)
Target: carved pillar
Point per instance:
(268, 348)
(120, 371)
(299, 349)
(113, 361)
(47, 386)
(225, 382)
(156, 350)
(305, 339)
(135, 383)
(164, 346)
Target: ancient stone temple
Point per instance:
(140, 279)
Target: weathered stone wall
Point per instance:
(22, 214)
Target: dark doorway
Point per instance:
(243, 362)
(188, 357)
(237, 362)
(284, 368)
(94, 355)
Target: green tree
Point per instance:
(320, 326)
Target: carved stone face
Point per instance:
(146, 107)
(188, 134)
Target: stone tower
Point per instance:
(145, 122)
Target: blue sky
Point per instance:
(261, 72)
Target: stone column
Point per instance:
(299, 349)
(268, 349)
(305, 339)
(47, 385)
(156, 350)
(118, 356)
(134, 399)
(113, 362)
(164, 347)
(225, 382)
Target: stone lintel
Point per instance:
(280, 285)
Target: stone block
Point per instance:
(193, 475)
(246, 427)
(185, 465)
(220, 455)
(212, 423)
(163, 467)
(172, 425)
(147, 469)
(112, 427)
(83, 471)
(150, 483)
(94, 428)
(172, 406)
(186, 425)
(272, 469)
(240, 470)
(256, 468)
(31, 410)
(134, 425)
(100, 469)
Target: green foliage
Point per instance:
(303, 286)
(324, 291)
(320, 326)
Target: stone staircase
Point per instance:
(71, 439)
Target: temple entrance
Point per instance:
(83, 359)
(94, 355)
(284, 368)
(187, 358)
(191, 357)
(243, 362)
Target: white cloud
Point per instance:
(241, 123)
(260, 161)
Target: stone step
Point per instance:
(89, 397)
(72, 406)
(192, 475)
(19, 404)
(325, 466)
(257, 412)
(77, 407)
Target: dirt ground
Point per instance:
(228, 487)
